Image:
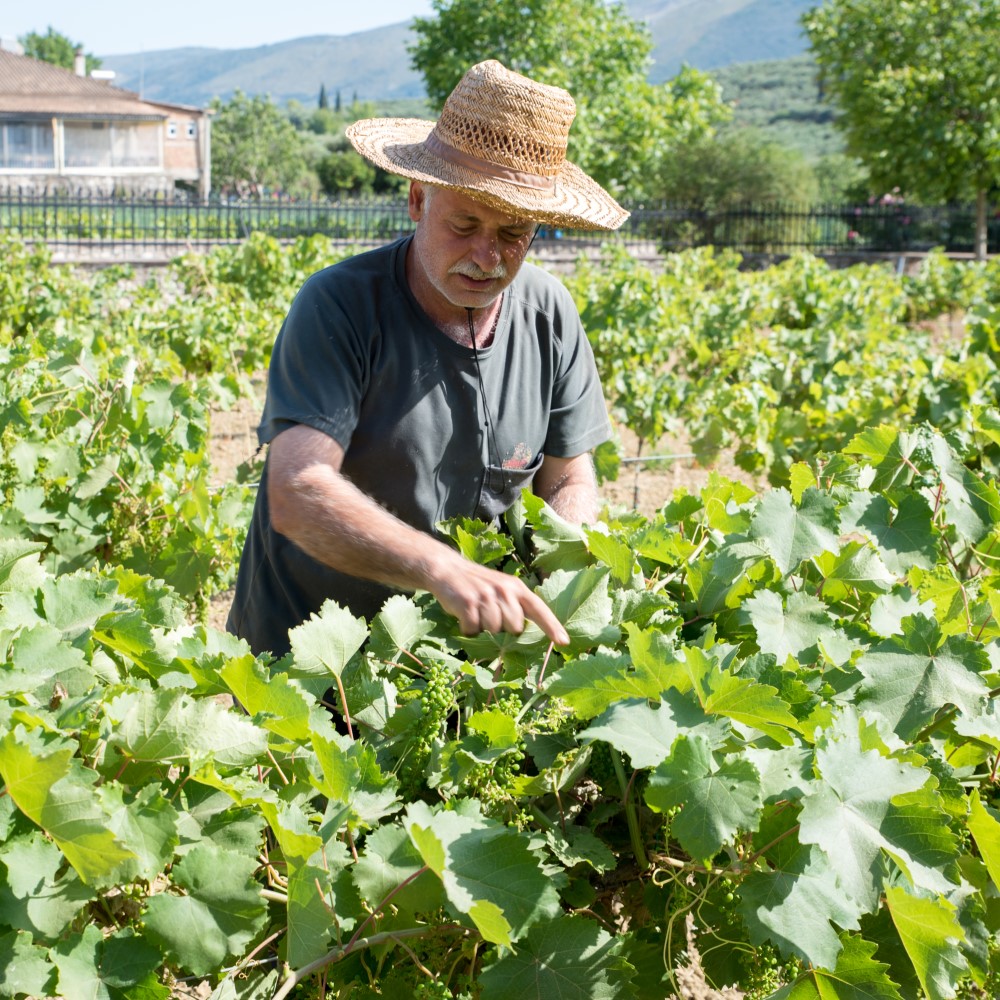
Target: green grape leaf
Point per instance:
(613, 553)
(580, 600)
(397, 629)
(985, 830)
(478, 542)
(795, 903)
(34, 895)
(277, 703)
(39, 658)
(25, 969)
(647, 734)
(793, 533)
(752, 704)
(571, 958)
(390, 859)
(718, 800)
(163, 726)
(931, 935)
(857, 976)
(971, 504)
(19, 566)
(56, 792)
(908, 678)
(799, 629)
(352, 777)
(252, 984)
(591, 683)
(220, 913)
(321, 900)
(146, 823)
(121, 967)
(904, 535)
(717, 580)
(890, 452)
(479, 860)
(849, 814)
(558, 545)
(324, 643)
(888, 611)
(577, 845)
(857, 569)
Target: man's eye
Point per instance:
(513, 235)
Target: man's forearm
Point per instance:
(337, 524)
(569, 487)
(340, 526)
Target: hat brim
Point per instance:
(575, 201)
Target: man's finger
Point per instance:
(539, 612)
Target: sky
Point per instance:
(113, 27)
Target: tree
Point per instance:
(594, 50)
(916, 85)
(738, 168)
(57, 49)
(255, 146)
(322, 103)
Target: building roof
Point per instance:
(30, 87)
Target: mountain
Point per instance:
(370, 65)
(710, 34)
(374, 65)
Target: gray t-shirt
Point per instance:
(358, 359)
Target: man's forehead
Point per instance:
(457, 204)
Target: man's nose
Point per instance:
(486, 251)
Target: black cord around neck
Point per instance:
(491, 438)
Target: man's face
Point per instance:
(464, 253)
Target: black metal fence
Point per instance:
(169, 223)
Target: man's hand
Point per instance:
(485, 600)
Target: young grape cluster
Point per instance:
(437, 700)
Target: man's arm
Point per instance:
(569, 487)
(338, 525)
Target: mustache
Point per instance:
(470, 270)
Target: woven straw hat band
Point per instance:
(500, 119)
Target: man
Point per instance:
(431, 378)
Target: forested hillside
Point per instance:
(374, 65)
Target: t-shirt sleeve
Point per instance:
(320, 365)
(578, 419)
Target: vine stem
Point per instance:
(634, 834)
(371, 916)
(777, 840)
(343, 704)
(337, 954)
(545, 663)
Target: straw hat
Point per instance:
(501, 139)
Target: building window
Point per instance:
(171, 130)
(192, 130)
(110, 145)
(26, 146)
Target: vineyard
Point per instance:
(764, 767)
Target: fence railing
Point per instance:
(86, 220)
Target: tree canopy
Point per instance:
(54, 47)
(255, 147)
(917, 89)
(597, 52)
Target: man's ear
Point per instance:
(416, 200)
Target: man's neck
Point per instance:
(483, 321)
